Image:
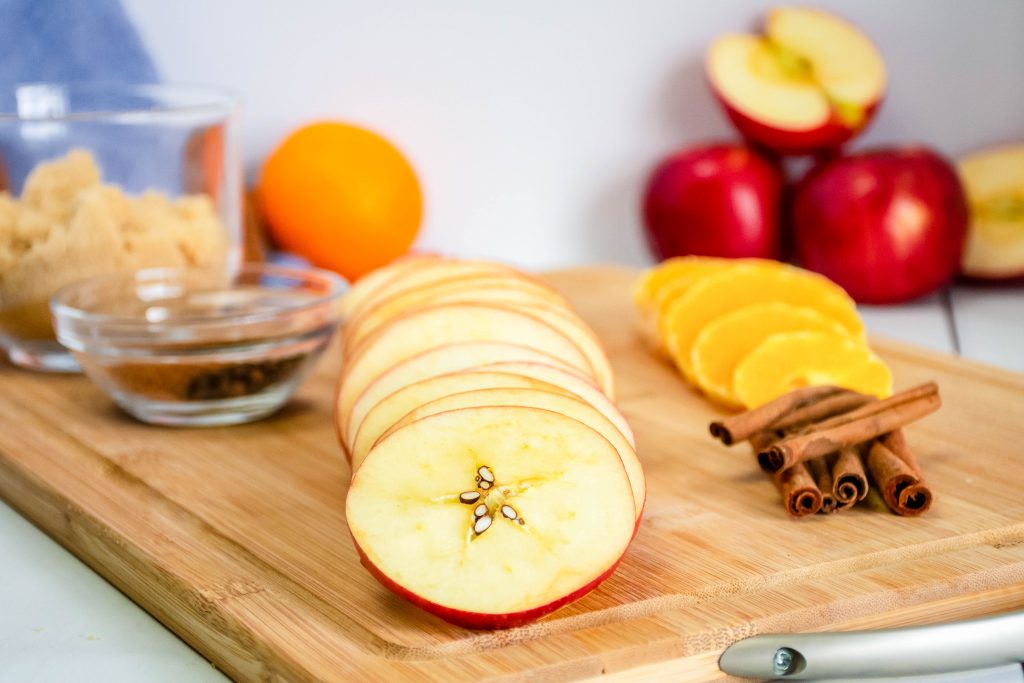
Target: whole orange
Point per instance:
(342, 197)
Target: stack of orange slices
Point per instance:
(745, 331)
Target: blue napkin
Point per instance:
(70, 40)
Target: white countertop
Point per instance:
(59, 620)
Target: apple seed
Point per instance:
(485, 474)
(509, 511)
(481, 525)
(469, 497)
(480, 510)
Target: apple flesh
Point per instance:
(490, 517)
(531, 397)
(401, 403)
(994, 183)
(500, 288)
(426, 328)
(886, 225)
(715, 200)
(436, 361)
(808, 84)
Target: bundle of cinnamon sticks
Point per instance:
(821, 444)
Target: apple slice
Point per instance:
(366, 286)
(548, 513)
(421, 330)
(398, 404)
(504, 288)
(571, 381)
(437, 361)
(994, 182)
(809, 83)
(565, 404)
(573, 327)
(427, 271)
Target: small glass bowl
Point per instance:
(175, 346)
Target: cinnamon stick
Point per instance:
(822, 474)
(800, 494)
(830, 406)
(741, 427)
(849, 480)
(854, 427)
(799, 491)
(899, 483)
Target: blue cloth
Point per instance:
(70, 40)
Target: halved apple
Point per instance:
(400, 403)
(491, 517)
(994, 182)
(570, 380)
(562, 403)
(435, 361)
(809, 83)
(499, 288)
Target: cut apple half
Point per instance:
(491, 517)
(994, 183)
(810, 82)
(562, 403)
(504, 288)
(436, 361)
(570, 380)
(396, 405)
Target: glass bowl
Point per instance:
(98, 178)
(198, 347)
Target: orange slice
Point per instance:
(790, 360)
(697, 272)
(649, 286)
(733, 288)
(727, 339)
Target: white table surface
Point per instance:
(60, 621)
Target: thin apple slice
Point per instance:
(503, 288)
(366, 286)
(565, 404)
(398, 404)
(994, 182)
(557, 517)
(573, 327)
(421, 330)
(437, 361)
(425, 272)
(570, 380)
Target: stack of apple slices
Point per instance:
(494, 480)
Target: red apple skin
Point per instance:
(480, 620)
(826, 138)
(887, 225)
(714, 200)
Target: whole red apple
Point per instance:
(887, 225)
(715, 200)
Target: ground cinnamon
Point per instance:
(854, 427)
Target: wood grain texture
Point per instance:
(235, 537)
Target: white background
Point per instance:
(532, 123)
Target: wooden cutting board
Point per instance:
(235, 538)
